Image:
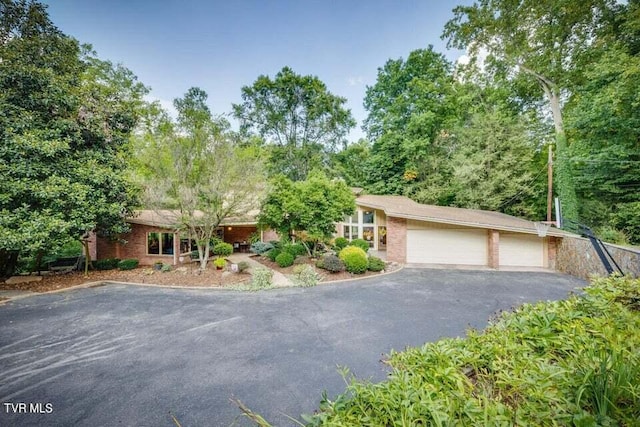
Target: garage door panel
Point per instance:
(447, 246)
(521, 250)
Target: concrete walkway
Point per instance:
(279, 280)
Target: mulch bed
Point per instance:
(209, 278)
(325, 275)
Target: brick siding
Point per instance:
(397, 239)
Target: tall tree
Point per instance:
(540, 40)
(195, 167)
(64, 130)
(408, 106)
(350, 163)
(300, 119)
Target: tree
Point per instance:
(411, 102)
(542, 41)
(64, 129)
(350, 163)
(311, 207)
(194, 167)
(299, 118)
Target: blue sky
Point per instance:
(221, 46)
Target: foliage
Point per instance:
(305, 275)
(223, 249)
(273, 254)
(295, 249)
(243, 266)
(285, 259)
(194, 167)
(260, 247)
(375, 264)
(360, 243)
(64, 129)
(354, 258)
(572, 362)
(261, 278)
(612, 235)
(165, 267)
(331, 263)
(220, 263)
(340, 243)
(106, 264)
(312, 206)
(128, 264)
(300, 119)
(351, 163)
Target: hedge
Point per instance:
(354, 258)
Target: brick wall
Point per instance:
(136, 246)
(493, 252)
(396, 239)
(269, 235)
(576, 256)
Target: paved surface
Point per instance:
(129, 355)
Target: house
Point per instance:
(400, 229)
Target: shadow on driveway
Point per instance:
(129, 355)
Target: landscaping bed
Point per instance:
(185, 276)
(325, 276)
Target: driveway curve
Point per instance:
(132, 355)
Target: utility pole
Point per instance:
(549, 184)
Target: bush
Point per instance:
(220, 262)
(223, 249)
(260, 247)
(242, 266)
(106, 264)
(305, 276)
(261, 278)
(375, 264)
(340, 243)
(285, 259)
(165, 268)
(360, 243)
(572, 362)
(273, 254)
(295, 249)
(331, 263)
(128, 264)
(355, 259)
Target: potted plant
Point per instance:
(157, 266)
(220, 263)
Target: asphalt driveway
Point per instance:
(132, 355)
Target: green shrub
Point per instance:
(106, 264)
(261, 279)
(220, 262)
(273, 254)
(260, 247)
(128, 264)
(375, 264)
(165, 268)
(223, 249)
(295, 249)
(571, 362)
(340, 243)
(354, 258)
(285, 259)
(360, 243)
(242, 266)
(304, 275)
(331, 263)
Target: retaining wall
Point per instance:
(576, 256)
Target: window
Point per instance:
(187, 245)
(360, 225)
(160, 243)
(367, 217)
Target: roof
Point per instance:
(169, 218)
(403, 207)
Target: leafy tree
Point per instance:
(545, 42)
(300, 119)
(64, 129)
(350, 163)
(409, 105)
(194, 167)
(310, 207)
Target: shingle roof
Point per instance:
(169, 218)
(403, 207)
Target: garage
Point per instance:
(521, 250)
(441, 244)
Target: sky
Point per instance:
(221, 46)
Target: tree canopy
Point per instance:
(298, 117)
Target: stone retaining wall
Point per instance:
(576, 256)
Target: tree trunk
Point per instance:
(85, 245)
(8, 262)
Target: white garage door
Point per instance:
(521, 250)
(447, 246)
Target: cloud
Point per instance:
(355, 80)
